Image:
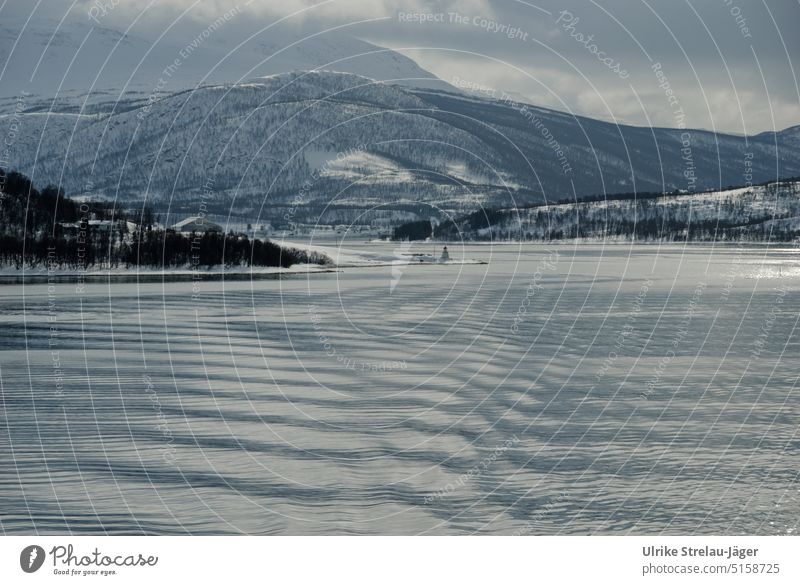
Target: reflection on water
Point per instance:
(615, 390)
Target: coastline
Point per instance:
(43, 275)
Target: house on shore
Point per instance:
(99, 226)
(196, 224)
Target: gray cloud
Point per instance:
(732, 68)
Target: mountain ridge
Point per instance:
(378, 144)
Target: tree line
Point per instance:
(762, 213)
(45, 228)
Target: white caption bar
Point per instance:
(400, 560)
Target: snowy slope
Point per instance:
(250, 139)
(323, 146)
(760, 212)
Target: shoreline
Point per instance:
(42, 275)
(181, 275)
(599, 242)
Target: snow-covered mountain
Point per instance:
(310, 144)
(769, 212)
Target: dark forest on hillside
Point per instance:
(760, 213)
(45, 228)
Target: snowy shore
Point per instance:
(340, 258)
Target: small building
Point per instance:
(263, 230)
(102, 225)
(196, 224)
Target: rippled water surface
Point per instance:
(601, 389)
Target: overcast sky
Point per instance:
(731, 65)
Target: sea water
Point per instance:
(557, 389)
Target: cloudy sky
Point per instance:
(730, 65)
